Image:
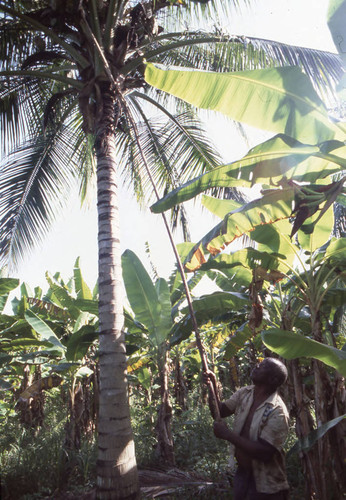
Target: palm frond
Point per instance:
(32, 182)
(15, 43)
(179, 218)
(86, 162)
(197, 11)
(12, 120)
(25, 102)
(175, 147)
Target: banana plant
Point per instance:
(152, 306)
(303, 293)
(307, 331)
(161, 309)
(295, 166)
(49, 340)
(308, 148)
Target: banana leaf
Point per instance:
(83, 371)
(207, 308)
(44, 331)
(220, 207)
(274, 205)
(44, 383)
(237, 340)
(292, 345)
(336, 251)
(281, 100)
(87, 305)
(140, 291)
(41, 357)
(7, 285)
(82, 289)
(61, 296)
(307, 442)
(314, 234)
(165, 320)
(249, 258)
(274, 238)
(266, 163)
(79, 342)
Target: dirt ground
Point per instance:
(165, 484)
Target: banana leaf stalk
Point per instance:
(213, 401)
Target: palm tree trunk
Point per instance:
(116, 464)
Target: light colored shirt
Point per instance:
(270, 422)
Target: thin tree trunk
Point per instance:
(116, 464)
(329, 448)
(304, 425)
(180, 389)
(300, 403)
(164, 448)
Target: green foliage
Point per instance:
(311, 439)
(150, 302)
(266, 163)
(290, 345)
(284, 102)
(281, 100)
(37, 464)
(46, 342)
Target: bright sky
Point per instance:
(298, 22)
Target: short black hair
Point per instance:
(279, 372)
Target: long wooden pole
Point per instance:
(214, 407)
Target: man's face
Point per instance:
(263, 372)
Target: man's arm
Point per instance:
(260, 450)
(209, 379)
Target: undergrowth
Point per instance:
(36, 464)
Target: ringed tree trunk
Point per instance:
(116, 465)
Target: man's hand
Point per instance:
(209, 378)
(221, 430)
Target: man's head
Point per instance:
(270, 372)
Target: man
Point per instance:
(259, 433)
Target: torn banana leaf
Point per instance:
(274, 205)
(266, 163)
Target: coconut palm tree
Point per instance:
(72, 96)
